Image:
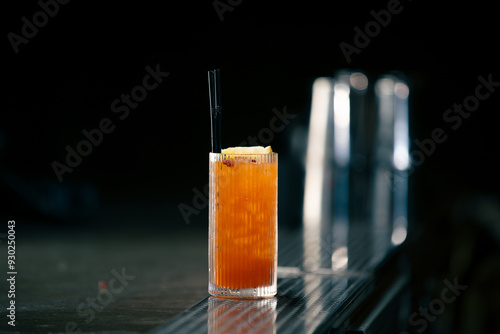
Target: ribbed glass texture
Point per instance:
(243, 225)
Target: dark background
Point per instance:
(66, 77)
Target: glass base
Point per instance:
(255, 293)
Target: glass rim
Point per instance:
(244, 154)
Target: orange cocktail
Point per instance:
(243, 225)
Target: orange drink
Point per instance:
(243, 225)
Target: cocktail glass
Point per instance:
(243, 225)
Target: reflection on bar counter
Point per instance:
(237, 316)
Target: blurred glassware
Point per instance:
(357, 165)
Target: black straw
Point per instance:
(215, 108)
